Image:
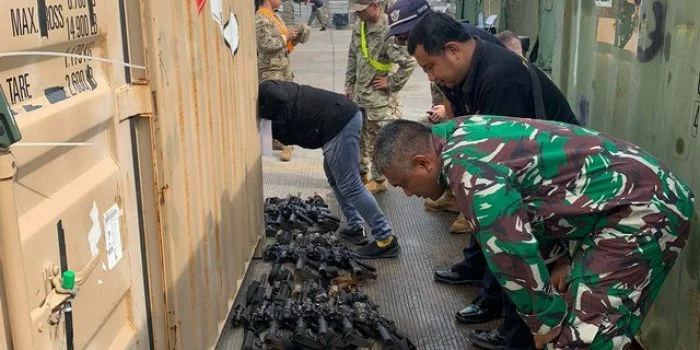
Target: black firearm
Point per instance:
(317, 256)
(249, 316)
(293, 213)
(370, 323)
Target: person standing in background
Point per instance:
(275, 42)
(316, 13)
(377, 70)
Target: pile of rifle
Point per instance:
(317, 256)
(306, 307)
(277, 315)
(293, 213)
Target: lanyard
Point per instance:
(382, 67)
(281, 27)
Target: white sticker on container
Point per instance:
(113, 236)
(230, 32)
(95, 231)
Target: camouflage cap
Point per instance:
(361, 5)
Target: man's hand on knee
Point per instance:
(559, 274)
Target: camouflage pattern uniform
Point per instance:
(436, 94)
(273, 57)
(380, 106)
(521, 180)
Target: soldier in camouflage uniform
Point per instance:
(376, 71)
(519, 181)
(275, 41)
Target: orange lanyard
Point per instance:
(280, 26)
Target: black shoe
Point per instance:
(458, 274)
(356, 234)
(479, 311)
(488, 339)
(323, 29)
(374, 251)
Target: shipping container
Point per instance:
(632, 69)
(139, 169)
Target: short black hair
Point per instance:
(435, 30)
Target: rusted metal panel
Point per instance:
(632, 69)
(88, 187)
(206, 157)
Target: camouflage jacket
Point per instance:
(360, 73)
(520, 181)
(273, 58)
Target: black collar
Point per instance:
(469, 81)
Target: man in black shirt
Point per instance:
(313, 118)
(403, 16)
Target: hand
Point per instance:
(559, 273)
(437, 114)
(542, 340)
(292, 33)
(380, 83)
(348, 94)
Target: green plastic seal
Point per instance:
(68, 281)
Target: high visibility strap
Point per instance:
(382, 67)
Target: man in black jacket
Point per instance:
(313, 118)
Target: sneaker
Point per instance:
(356, 234)
(323, 29)
(447, 202)
(461, 226)
(286, 154)
(374, 251)
(375, 187)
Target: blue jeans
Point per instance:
(341, 159)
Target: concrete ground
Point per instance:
(405, 289)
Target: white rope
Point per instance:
(63, 54)
(53, 144)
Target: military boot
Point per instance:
(447, 202)
(461, 226)
(365, 178)
(375, 187)
(286, 154)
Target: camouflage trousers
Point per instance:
(618, 270)
(436, 95)
(370, 129)
(316, 14)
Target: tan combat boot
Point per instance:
(447, 202)
(461, 226)
(365, 178)
(375, 187)
(286, 154)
